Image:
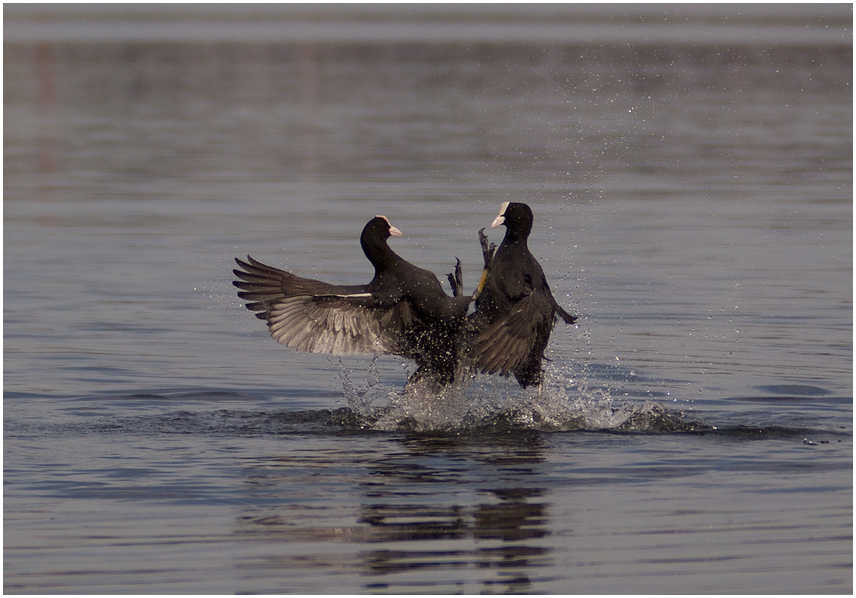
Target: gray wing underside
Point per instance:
(317, 317)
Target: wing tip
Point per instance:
(568, 318)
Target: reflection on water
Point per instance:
(418, 513)
(512, 521)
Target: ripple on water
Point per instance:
(478, 406)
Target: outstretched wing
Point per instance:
(314, 316)
(508, 343)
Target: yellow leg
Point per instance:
(480, 286)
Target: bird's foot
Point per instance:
(487, 252)
(487, 249)
(456, 279)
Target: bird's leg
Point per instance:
(456, 279)
(487, 252)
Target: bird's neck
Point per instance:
(381, 254)
(515, 239)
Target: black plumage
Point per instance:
(403, 310)
(515, 311)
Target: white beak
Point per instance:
(392, 230)
(501, 218)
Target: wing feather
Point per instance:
(314, 316)
(508, 342)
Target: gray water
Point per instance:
(693, 205)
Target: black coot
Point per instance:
(516, 311)
(402, 311)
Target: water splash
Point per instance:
(563, 402)
(360, 400)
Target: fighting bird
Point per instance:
(402, 311)
(516, 311)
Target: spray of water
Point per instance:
(564, 402)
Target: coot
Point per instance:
(516, 311)
(402, 311)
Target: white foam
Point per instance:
(563, 402)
